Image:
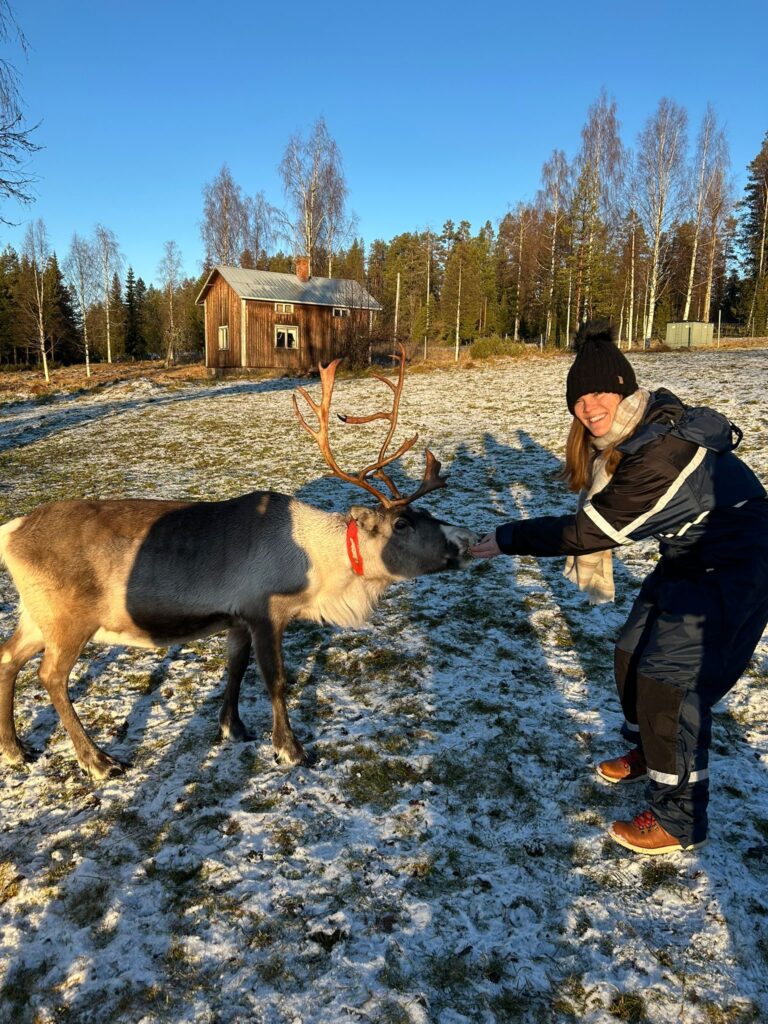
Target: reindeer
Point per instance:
(151, 573)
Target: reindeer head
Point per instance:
(399, 541)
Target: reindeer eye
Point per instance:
(401, 524)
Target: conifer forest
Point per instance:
(645, 231)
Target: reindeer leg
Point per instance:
(14, 654)
(268, 639)
(239, 649)
(58, 661)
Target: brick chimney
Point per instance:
(302, 268)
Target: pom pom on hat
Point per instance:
(599, 366)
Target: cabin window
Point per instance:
(286, 336)
(283, 307)
(224, 337)
(340, 311)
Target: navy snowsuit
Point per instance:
(700, 613)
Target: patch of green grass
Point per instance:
(447, 972)
(86, 905)
(515, 1006)
(571, 998)
(272, 970)
(259, 803)
(657, 872)
(628, 1006)
(735, 1013)
(390, 1012)
(10, 881)
(395, 975)
(15, 990)
(286, 837)
(376, 779)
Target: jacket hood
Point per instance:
(700, 425)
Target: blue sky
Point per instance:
(440, 111)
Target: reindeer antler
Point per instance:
(432, 479)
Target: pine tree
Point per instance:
(63, 333)
(9, 273)
(753, 239)
(117, 316)
(131, 338)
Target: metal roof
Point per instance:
(268, 286)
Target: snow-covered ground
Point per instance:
(445, 860)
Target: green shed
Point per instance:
(689, 332)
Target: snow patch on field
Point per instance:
(445, 860)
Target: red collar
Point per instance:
(353, 548)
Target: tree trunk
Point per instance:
(426, 323)
(631, 315)
(751, 320)
(458, 315)
(397, 305)
(519, 279)
(87, 352)
(654, 281)
(551, 292)
(568, 314)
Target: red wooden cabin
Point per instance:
(261, 319)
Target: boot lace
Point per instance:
(644, 822)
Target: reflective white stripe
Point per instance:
(602, 524)
(622, 536)
(673, 780)
(631, 727)
(693, 522)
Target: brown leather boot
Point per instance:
(645, 835)
(630, 767)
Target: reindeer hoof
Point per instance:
(292, 756)
(20, 753)
(235, 731)
(105, 767)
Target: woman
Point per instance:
(647, 465)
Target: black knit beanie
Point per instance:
(599, 365)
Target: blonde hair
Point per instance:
(579, 456)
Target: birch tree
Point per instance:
(16, 145)
(554, 197)
(229, 224)
(258, 230)
(598, 171)
(109, 264)
(660, 189)
(316, 192)
(711, 155)
(169, 272)
(81, 269)
(524, 217)
(37, 252)
(717, 217)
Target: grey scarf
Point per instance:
(593, 573)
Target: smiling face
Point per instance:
(597, 411)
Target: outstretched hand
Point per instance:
(486, 547)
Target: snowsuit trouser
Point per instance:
(686, 642)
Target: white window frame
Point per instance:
(223, 337)
(340, 311)
(283, 307)
(287, 328)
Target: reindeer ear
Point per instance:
(366, 518)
